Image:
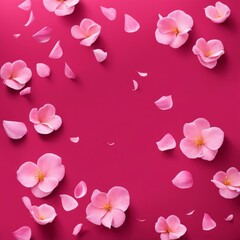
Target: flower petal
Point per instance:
(17, 35)
(80, 190)
(229, 218)
(74, 139)
(51, 5)
(38, 193)
(14, 130)
(99, 200)
(184, 21)
(166, 143)
(43, 35)
(107, 219)
(228, 194)
(189, 148)
(68, 202)
(100, 55)
(183, 180)
(208, 154)
(48, 184)
(118, 218)
(23, 233)
(46, 112)
(26, 174)
(56, 52)
(190, 213)
(95, 214)
(69, 72)
(142, 74)
(27, 202)
(161, 225)
(25, 91)
(130, 24)
(164, 103)
(213, 137)
(30, 20)
(43, 70)
(208, 223)
(26, 5)
(43, 128)
(135, 85)
(109, 13)
(77, 229)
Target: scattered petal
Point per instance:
(23, 233)
(164, 103)
(141, 220)
(43, 35)
(229, 218)
(135, 85)
(74, 139)
(30, 20)
(190, 213)
(56, 52)
(109, 13)
(130, 24)
(110, 143)
(25, 91)
(166, 143)
(183, 180)
(68, 202)
(77, 229)
(27, 202)
(14, 130)
(16, 35)
(69, 72)
(142, 74)
(100, 55)
(80, 190)
(43, 70)
(26, 5)
(208, 223)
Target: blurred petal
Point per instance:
(229, 218)
(74, 139)
(164, 103)
(43, 35)
(17, 35)
(142, 74)
(130, 24)
(208, 223)
(68, 202)
(190, 213)
(69, 72)
(56, 52)
(25, 91)
(23, 233)
(135, 85)
(43, 70)
(77, 229)
(166, 143)
(100, 55)
(80, 190)
(26, 5)
(109, 13)
(14, 130)
(183, 180)
(30, 20)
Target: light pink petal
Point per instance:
(109, 13)
(189, 148)
(142, 74)
(43, 70)
(184, 21)
(166, 143)
(161, 225)
(107, 219)
(38, 193)
(69, 72)
(229, 218)
(100, 55)
(173, 221)
(119, 198)
(90, 40)
(33, 116)
(43, 214)
(14, 130)
(167, 25)
(135, 85)
(17, 35)
(183, 180)
(179, 40)
(46, 113)
(233, 176)
(209, 65)
(23, 76)
(74, 139)
(56, 52)
(164, 103)
(94, 214)
(94, 194)
(118, 218)
(77, 33)
(26, 174)
(100, 200)
(25, 91)
(164, 38)
(30, 20)
(190, 213)
(48, 184)
(130, 24)
(80, 190)
(26, 5)
(27, 202)
(111, 143)
(141, 220)
(218, 184)
(51, 5)
(68, 202)
(43, 35)
(43, 128)
(77, 229)
(178, 232)
(216, 47)
(165, 236)
(208, 154)
(208, 223)
(13, 84)
(23, 233)
(219, 13)
(228, 194)
(213, 137)
(70, 3)
(212, 13)
(6, 70)
(55, 122)
(64, 10)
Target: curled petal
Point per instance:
(142, 74)
(229, 218)
(208, 223)
(25, 91)
(80, 190)
(43, 70)
(68, 202)
(77, 229)
(166, 143)
(164, 103)
(17, 35)
(183, 180)
(23, 233)
(14, 130)
(26, 5)
(109, 13)
(74, 139)
(56, 52)
(135, 85)
(30, 20)
(43, 35)
(190, 213)
(130, 24)
(100, 55)
(69, 72)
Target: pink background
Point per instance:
(100, 107)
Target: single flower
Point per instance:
(208, 52)
(42, 177)
(108, 208)
(201, 140)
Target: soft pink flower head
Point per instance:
(42, 177)
(208, 52)
(201, 140)
(173, 29)
(88, 31)
(15, 75)
(228, 183)
(219, 13)
(108, 208)
(170, 228)
(60, 7)
(45, 120)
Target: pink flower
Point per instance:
(219, 13)
(108, 208)
(45, 121)
(88, 31)
(60, 7)
(228, 183)
(208, 52)
(15, 75)
(42, 177)
(201, 140)
(170, 228)
(173, 29)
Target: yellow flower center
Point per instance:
(208, 54)
(107, 207)
(199, 142)
(227, 182)
(41, 217)
(39, 175)
(176, 31)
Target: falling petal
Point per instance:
(14, 130)
(80, 190)
(43, 70)
(229, 218)
(56, 52)
(25, 91)
(142, 74)
(74, 139)
(130, 24)
(77, 229)
(30, 20)
(100, 55)
(166, 143)
(109, 13)
(141, 220)
(16, 35)
(26, 5)
(183, 180)
(190, 213)
(110, 143)
(69, 72)
(27, 202)
(135, 85)
(43, 35)
(23, 233)
(208, 223)
(164, 103)
(68, 202)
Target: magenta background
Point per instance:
(100, 107)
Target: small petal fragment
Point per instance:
(56, 52)
(23, 233)
(77, 229)
(130, 24)
(68, 202)
(183, 180)
(135, 85)
(109, 13)
(100, 55)
(25, 91)
(30, 20)
(229, 218)
(142, 74)
(69, 72)
(26, 5)
(74, 139)
(140, 220)
(208, 223)
(17, 35)
(14, 130)
(164, 103)
(43, 35)
(43, 70)
(190, 213)
(27, 202)
(80, 190)
(166, 143)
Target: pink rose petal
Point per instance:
(69, 72)
(77, 229)
(100, 55)
(135, 85)
(142, 74)
(190, 213)
(16, 35)
(27, 202)
(109, 13)
(74, 139)
(14, 130)
(43, 35)
(30, 20)
(164, 103)
(229, 218)
(26, 5)
(166, 143)
(43, 70)
(80, 190)
(25, 91)
(130, 24)
(208, 223)
(141, 220)
(68, 202)
(23, 233)
(183, 180)
(56, 52)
